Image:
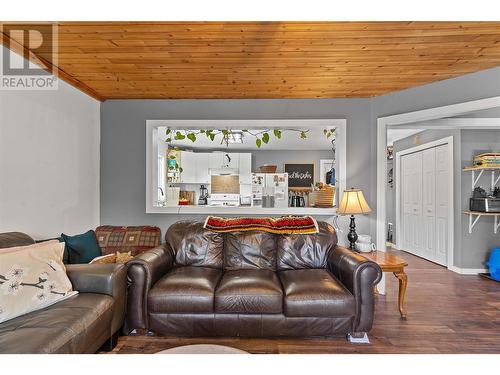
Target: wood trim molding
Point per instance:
(48, 66)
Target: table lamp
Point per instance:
(353, 203)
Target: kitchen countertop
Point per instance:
(244, 210)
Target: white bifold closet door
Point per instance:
(424, 203)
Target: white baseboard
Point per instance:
(467, 271)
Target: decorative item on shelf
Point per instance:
(353, 203)
(323, 195)
(390, 152)
(489, 159)
(267, 168)
(364, 244)
(188, 196)
(183, 202)
(173, 166)
(300, 175)
(299, 197)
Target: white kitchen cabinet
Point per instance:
(202, 168)
(245, 168)
(188, 165)
(215, 160)
(221, 160)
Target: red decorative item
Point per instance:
(280, 225)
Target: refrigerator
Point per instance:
(275, 184)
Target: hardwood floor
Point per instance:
(447, 313)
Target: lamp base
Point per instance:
(352, 236)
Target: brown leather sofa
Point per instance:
(250, 284)
(81, 324)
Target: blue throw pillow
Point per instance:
(81, 248)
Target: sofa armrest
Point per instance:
(144, 270)
(110, 279)
(359, 275)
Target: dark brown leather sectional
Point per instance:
(250, 284)
(80, 324)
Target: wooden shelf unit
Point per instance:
(474, 216)
(480, 170)
(478, 214)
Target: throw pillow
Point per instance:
(32, 278)
(81, 248)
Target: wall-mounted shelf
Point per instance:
(478, 214)
(477, 172)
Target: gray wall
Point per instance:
(123, 146)
(475, 247)
(123, 135)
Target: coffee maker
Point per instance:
(203, 199)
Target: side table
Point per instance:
(391, 263)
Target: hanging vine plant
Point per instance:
(261, 136)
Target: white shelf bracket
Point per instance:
(473, 222)
(497, 225)
(494, 181)
(476, 179)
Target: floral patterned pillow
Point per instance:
(32, 278)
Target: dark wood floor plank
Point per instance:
(447, 313)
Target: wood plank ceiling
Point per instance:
(125, 60)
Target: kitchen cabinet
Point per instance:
(195, 168)
(245, 168)
(202, 168)
(221, 160)
(188, 165)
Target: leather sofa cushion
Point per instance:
(76, 325)
(250, 250)
(185, 290)
(248, 292)
(194, 245)
(13, 239)
(315, 292)
(299, 251)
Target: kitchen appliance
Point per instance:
(203, 198)
(278, 188)
(225, 190)
(482, 202)
(224, 200)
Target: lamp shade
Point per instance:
(353, 202)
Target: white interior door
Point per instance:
(425, 203)
(411, 166)
(428, 203)
(442, 204)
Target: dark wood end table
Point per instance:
(391, 263)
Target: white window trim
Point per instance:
(152, 151)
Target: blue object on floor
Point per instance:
(494, 263)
